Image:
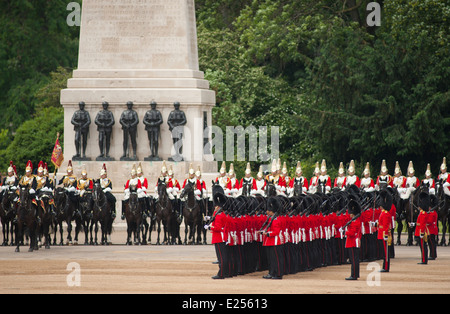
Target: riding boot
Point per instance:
(123, 209)
(114, 213)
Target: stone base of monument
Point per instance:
(119, 173)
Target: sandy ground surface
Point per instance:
(188, 270)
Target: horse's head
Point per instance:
(188, 189)
(24, 194)
(162, 189)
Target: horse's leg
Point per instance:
(159, 232)
(19, 235)
(5, 231)
(96, 233)
(69, 231)
(399, 230)
(444, 230)
(186, 230)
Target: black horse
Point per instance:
(26, 217)
(443, 211)
(270, 190)
(192, 215)
(165, 214)
(66, 210)
(8, 209)
(133, 214)
(45, 213)
(102, 213)
(86, 208)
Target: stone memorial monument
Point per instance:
(140, 51)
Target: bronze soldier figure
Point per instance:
(129, 121)
(176, 122)
(152, 120)
(104, 122)
(81, 121)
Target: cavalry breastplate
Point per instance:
(10, 181)
(340, 181)
(398, 181)
(69, 181)
(41, 181)
(105, 183)
(365, 182)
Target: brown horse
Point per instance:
(26, 217)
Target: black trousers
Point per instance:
(223, 256)
(432, 243)
(353, 253)
(423, 250)
(276, 260)
(386, 255)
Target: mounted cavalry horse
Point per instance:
(165, 214)
(102, 212)
(45, 213)
(8, 209)
(26, 217)
(66, 210)
(133, 213)
(192, 214)
(443, 210)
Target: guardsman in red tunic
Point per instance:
(430, 181)
(340, 180)
(248, 182)
(232, 186)
(353, 241)
(314, 181)
(422, 226)
(259, 183)
(367, 182)
(298, 180)
(218, 230)
(352, 178)
(384, 179)
(273, 241)
(324, 178)
(384, 227)
(444, 177)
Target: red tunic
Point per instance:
(421, 224)
(353, 234)
(384, 224)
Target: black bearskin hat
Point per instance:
(385, 199)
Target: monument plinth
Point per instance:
(139, 51)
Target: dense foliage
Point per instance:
(338, 89)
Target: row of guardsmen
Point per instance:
(234, 187)
(285, 185)
(287, 237)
